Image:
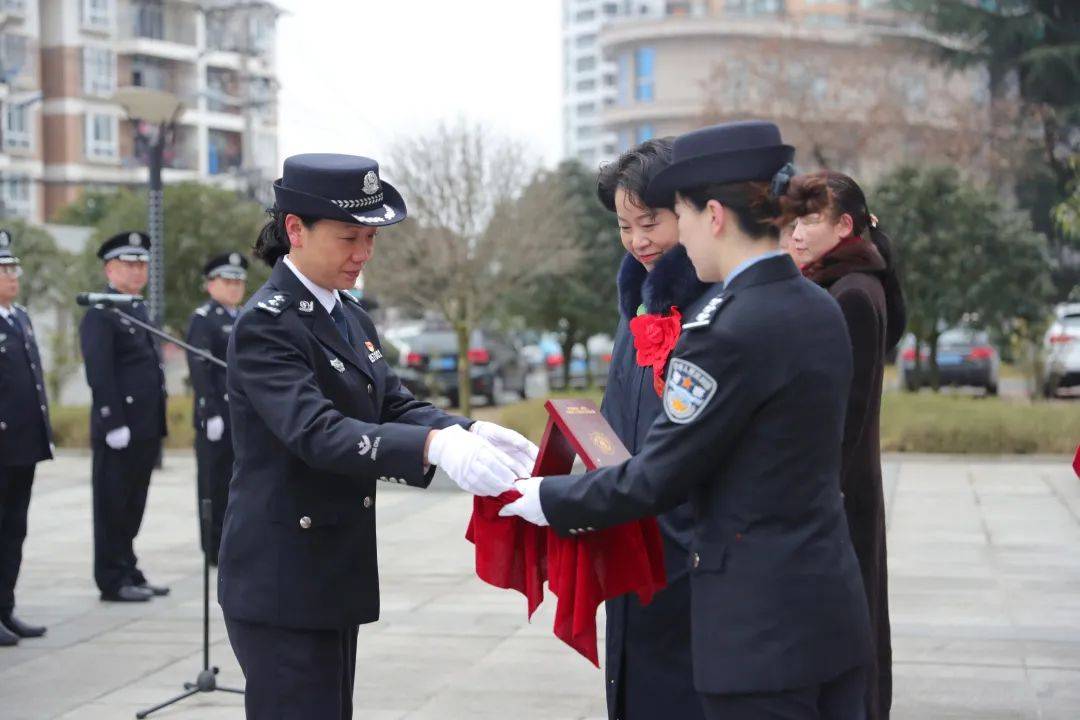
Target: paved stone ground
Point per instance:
(985, 596)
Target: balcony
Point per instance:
(158, 29)
(226, 152)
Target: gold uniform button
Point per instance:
(305, 522)
(696, 559)
(370, 389)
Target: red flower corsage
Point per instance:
(654, 338)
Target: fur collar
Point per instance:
(853, 255)
(671, 282)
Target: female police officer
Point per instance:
(752, 422)
(318, 417)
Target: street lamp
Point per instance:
(159, 109)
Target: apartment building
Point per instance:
(846, 80)
(61, 131)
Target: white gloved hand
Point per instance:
(514, 445)
(527, 507)
(119, 438)
(471, 462)
(215, 428)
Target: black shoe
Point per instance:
(158, 590)
(8, 638)
(127, 593)
(20, 628)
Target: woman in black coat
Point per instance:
(649, 673)
(838, 245)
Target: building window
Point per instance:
(585, 41)
(14, 58)
(14, 7)
(586, 109)
(625, 138)
(149, 19)
(99, 71)
(101, 136)
(756, 7)
(17, 198)
(149, 73)
(225, 152)
(585, 64)
(623, 82)
(645, 131)
(644, 66)
(17, 135)
(97, 13)
(585, 86)
(585, 16)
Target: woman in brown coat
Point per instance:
(836, 242)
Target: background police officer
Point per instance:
(127, 420)
(319, 418)
(25, 436)
(209, 330)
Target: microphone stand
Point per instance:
(206, 681)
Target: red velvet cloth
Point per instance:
(1076, 461)
(581, 572)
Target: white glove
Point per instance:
(527, 507)
(471, 462)
(119, 438)
(215, 428)
(513, 444)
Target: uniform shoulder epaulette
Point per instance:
(705, 316)
(203, 310)
(17, 306)
(353, 298)
(275, 303)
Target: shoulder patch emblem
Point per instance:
(275, 304)
(201, 311)
(705, 317)
(307, 306)
(687, 392)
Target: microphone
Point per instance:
(106, 299)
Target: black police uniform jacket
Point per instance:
(209, 329)
(650, 641)
(316, 424)
(25, 433)
(124, 372)
(751, 432)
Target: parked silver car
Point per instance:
(1062, 347)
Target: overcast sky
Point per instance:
(356, 74)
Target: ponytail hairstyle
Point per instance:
(754, 203)
(273, 241)
(836, 194)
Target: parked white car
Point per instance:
(1062, 347)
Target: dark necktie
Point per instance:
(13, 320)
(338, 316)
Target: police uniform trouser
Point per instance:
(295, 674)
(215, 462)
(843, 698)
(15, 483)
(121, 479)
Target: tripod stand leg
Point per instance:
(167, 703)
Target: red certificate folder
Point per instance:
(584, 570)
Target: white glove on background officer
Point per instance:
(119, 438)
(513, 444)
(471, 461)
(527, 507)
(215, 428)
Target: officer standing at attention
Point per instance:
(127, 419)
(25, 436)
(752, 423)
(318, 418)
(209, 329)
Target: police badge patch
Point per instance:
(687, 392)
